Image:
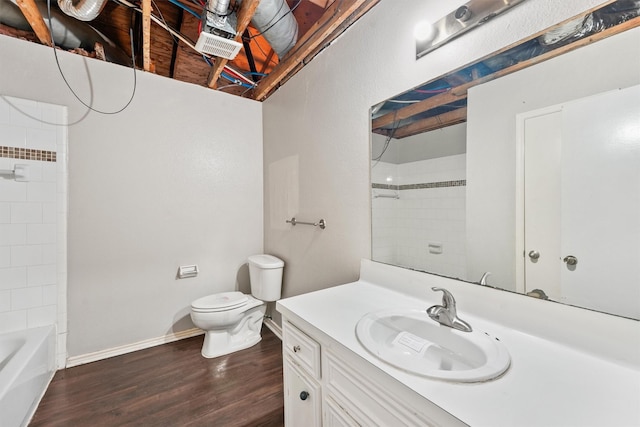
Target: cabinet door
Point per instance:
(302, 397)
(335, 416)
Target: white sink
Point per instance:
(411, 341)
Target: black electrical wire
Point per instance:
(133, 64)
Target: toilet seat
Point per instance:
(223, 301)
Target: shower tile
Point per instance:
(26, 255)
(26, 213)
(41, 234)
(13, 234)
(13, 321)
(41, 275)
(41, 316)
(25, 298)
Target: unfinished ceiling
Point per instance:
(165, 33)
(443, 102)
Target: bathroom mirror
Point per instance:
(521, 171)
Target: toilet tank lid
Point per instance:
(266, 261)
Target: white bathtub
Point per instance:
(27, 364)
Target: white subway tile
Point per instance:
(49, 171)
(49, 253)
(35, 170)
(26, 213)
(13, 277)
(49, 213)
(26, 255)
(5, 212)
(41, 192)
(25, 113)
(12, 191)
(41, 139)
(61, 301)
(41, 316)
(5, 256)
(13, 136)
(52, 115)
(13, 234)
(40, 234)
(5, 301)
(25, 298)
(13, 321)
(50, 295)
(61, 353)
(40, 275)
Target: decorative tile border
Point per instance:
(27, 154)
(440, 184)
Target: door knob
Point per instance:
(304, 395)
(570, 260)
(534, 255)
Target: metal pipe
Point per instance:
(84, 10)
(275, 21)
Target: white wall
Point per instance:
(33, 218)
(491, 134)
(321, 117)
(174, 179)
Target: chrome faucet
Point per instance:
(446, 314)
(483, 279)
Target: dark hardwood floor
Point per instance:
(170, 385)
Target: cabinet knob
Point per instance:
(296, 348)
(304, 395)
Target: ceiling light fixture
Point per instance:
(458, 22)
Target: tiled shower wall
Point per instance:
(33, 278)
(427, 217)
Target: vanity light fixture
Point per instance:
(466, 17)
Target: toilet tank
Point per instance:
(265, 274)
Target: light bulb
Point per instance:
(424, 31)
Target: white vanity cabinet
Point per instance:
(301, 371)
(341, 389)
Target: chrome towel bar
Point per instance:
(322, 223)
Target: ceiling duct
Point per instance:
(84, 10)
(275, 21)
(67, 32)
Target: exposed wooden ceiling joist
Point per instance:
(34, 17)
(247, 9)
(421, 107)
(146, 35)
(432, 123)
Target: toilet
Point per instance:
(232, 320)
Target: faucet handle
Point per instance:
(447, 298)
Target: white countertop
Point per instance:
(548, 384)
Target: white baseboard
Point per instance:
(274, 327)
(128, 348)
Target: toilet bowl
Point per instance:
(232, 320)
